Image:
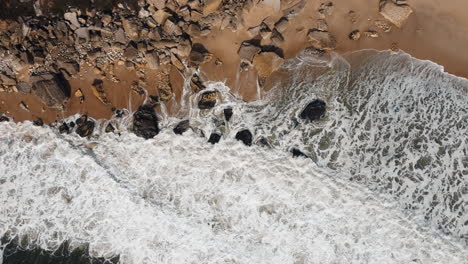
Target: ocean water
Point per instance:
(385, 181)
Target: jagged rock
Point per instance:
(208, 100)
(52, 89)
(145, 122)
(131, 51)
(211, 6)
(397, 14)
(245, 136)
(71, 17)
(314, 110)
(6, 80)
(276, 37)
(131, 28)
(247, 51)
(282, 24)
(322, 25)
(24, 87)
(160, 16)
(72, 67)
(182, 127)
(152, 60)
(110, 128)
(171, 28)
(297, 153)
(119, 36)
(85, 127)
(196, 84)
(355, 35)
(322, 39)
(228, 114)
(267, 62)
(199, 55)
(159, 4)
(295, 9)
(326, 9)
(214, 138)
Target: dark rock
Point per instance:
(119, 113)
(182, 127)
(214, 138)
(110, 128)
(245, 136)
(52, 89)
(228, 114)
(208, 100)
(85, 127)
(145, 122)
(297, 153)
(4, 118)
(15, 253)
(64, 128)
(263, 142)
(314, 110)
(38, 122)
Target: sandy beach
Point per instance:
(205, 38)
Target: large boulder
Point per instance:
(395, 13)
(52, 89)
(267, 62)
(85, 126)
(314, 110)
(322, 39)
(247, 51)
(245, 136)
(145, 122)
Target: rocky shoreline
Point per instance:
(96, 58)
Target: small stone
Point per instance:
(98, 90)
(182, 127)
(371, 34)
(314, 110)
(38, 122)
(214, 138)
(355, 35)
(24, 106)
(208, 100)
(245, 136)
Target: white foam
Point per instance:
(177, 199)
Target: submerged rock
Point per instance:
(85, 127)
(38, 122)
(14, 252)
(207, 100)
(314, 110)
(214, 138)
(245, 136)
(297, 153)
(182, 127)
(4, 118)
(145, 122)
(110, 128)
(64, 128)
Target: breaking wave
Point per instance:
(386, 181)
